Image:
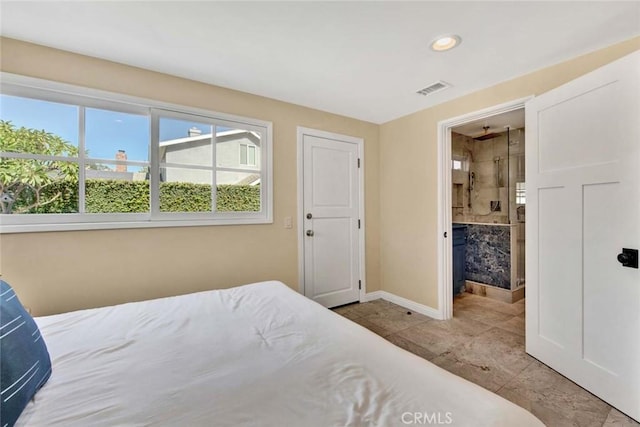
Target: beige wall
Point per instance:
(61, 271)
(408, 173)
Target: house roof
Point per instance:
(220, 137)
(252, 179)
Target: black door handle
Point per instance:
(628, 258)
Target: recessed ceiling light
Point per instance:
(443, 43)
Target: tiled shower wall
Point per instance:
(480, 157)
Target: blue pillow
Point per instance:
(24, 360)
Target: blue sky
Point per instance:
(106, 132)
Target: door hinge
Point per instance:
(360, 284)
(358, 162)
(358, 223)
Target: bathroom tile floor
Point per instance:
(484, 343)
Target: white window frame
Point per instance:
(16, 85)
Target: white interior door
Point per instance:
(330, 221)
(583, 208)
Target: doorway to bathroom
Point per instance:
(582, 229)
(483, 207)
(488, 207)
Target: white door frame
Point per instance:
(302, 131)
(445, 257)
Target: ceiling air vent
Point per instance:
(433, 88)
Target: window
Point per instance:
(247, 155)
(458, 163)
(116, 159)
(79, 159)
(39, 141)
(520, 193)
(188, 179)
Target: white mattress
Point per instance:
(256, 355)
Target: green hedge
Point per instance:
(238, 198)
(113, 196)
(109, 195)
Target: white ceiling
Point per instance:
(359, 59)
(513, 119)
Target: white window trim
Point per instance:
(12, 84)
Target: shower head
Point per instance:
(486, 135)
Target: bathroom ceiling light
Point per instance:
(447, 42)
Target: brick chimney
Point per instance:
(121, 155)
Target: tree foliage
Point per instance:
(27, 180)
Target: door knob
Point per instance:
(310, 233)
(309, 216)
(628, 258)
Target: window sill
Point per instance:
(116, 225)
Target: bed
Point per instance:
(254, 355)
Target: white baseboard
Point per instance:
(370, 296)
(403, 302)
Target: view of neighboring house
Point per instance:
(237, 156)
(237, 159)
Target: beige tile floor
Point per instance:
(484, 343)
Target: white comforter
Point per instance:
(256, 355)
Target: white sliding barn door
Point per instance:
(583, 208)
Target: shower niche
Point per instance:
(489, 200)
